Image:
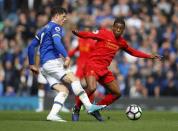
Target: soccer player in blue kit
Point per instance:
(55, 62)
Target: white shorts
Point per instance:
(41, 78)
(54, 70)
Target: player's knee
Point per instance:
(118, 94)
(70, 77)
(66, 91)
(60, 95)
(90, 89)
(74, 78)
(83, 83)
(61, 88)
(93, 89)
(40, 86)
(76, 87)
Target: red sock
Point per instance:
(108, 99)
(91, 97)
(78, 102)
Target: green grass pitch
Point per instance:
(115, 121)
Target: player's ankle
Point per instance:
(78, 106)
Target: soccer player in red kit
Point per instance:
(96, 69)
(85, 46)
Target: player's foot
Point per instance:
(75, 113)
(55, 118)
(97, 115)
(39, 110)
(65, 109)
(95, 108)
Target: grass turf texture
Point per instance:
(115, 121)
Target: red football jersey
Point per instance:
(85, 46)
(107, 46)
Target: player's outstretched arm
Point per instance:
(75, 32)
(86, 34)
(73, 51)
(140, 54)
(156, 56)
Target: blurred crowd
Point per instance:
(151, 26)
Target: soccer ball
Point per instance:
(133, 112)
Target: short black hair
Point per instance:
(57, 10)
(119, 20)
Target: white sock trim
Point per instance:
(58, 103)
(41, 93)
(77, 88)
(79, 91)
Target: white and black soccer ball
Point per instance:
(133, 112)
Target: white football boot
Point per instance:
(55, 118)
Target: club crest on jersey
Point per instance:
(95, 31)
(57, 29)
(112, 45)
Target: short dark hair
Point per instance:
(57, 10)
(119, 20)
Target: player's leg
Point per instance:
(80, 75)
(78, 103)
(91, 80)
(92, 84)
(91, 87)
(41, 95)
(108, 99)
(58, 102)
(41, 92)
(79, 91)
(53, 73)
(113, 96)
(108, 81)
(52, 70)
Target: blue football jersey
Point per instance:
(45, 39)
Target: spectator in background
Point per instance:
(138, 90)
(152, 86)
(1, 80)
(121, 8)
(170, 89)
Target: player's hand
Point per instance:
(66, 62)
(156, 56)
(34, 69)
(75, 32)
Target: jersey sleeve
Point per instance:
(37, 37)
(56, 33)
(133, 51)
(93, 35)
(31, 50)
(73, 51)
